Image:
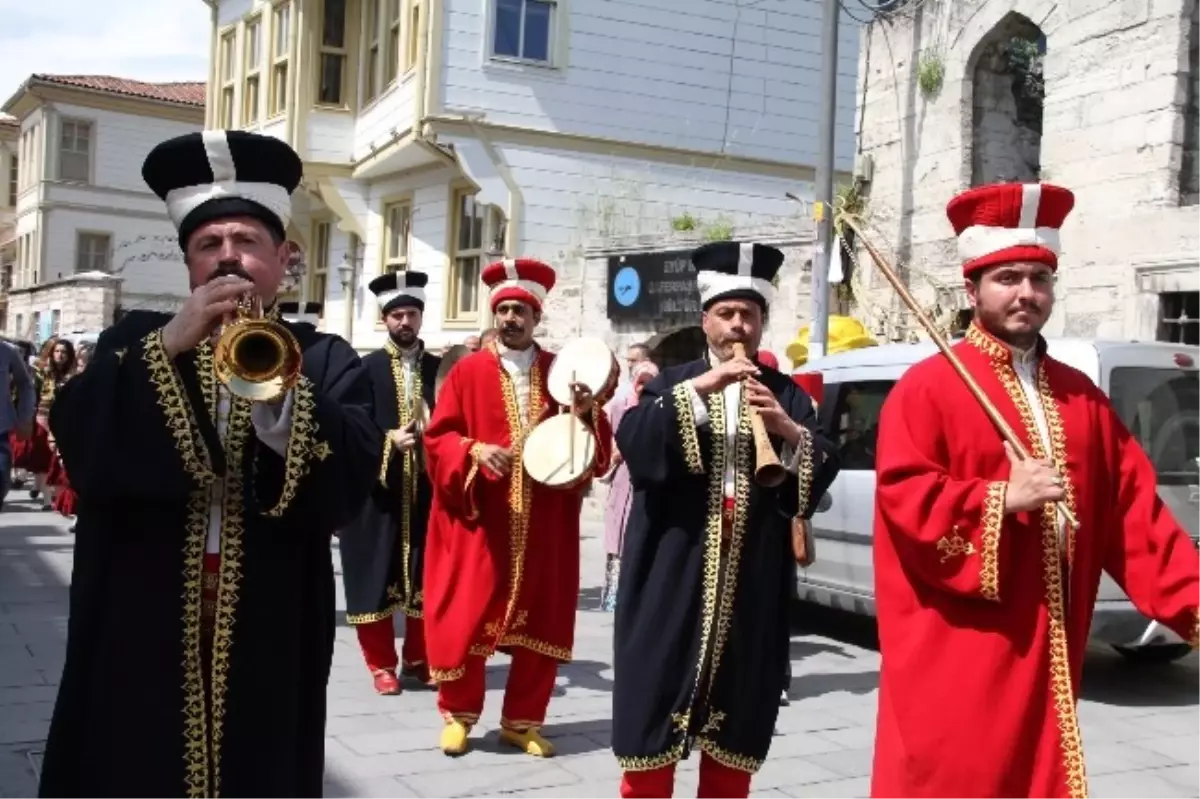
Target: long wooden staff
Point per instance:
(999, 421)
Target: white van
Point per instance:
(1155, 390)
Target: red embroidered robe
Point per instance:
(983, 616)
(502, 552)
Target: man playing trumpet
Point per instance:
(202, 598)
(502, 560)
(383, 551)
(701, 632)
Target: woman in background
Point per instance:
(35, 455)
(620, 495)
(64, 495)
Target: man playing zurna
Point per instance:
(383, 551)
(707, 571)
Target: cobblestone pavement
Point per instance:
(1140, 724)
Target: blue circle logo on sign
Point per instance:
(627, 286)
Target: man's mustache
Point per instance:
(512, 327)
(229, 269)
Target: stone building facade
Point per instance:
(1099, 96)
(84, 302)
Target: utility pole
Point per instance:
(818, 333)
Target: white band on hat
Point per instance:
(713, 284)
(386, 297)
(311, 318)
(181, 202)
(980, 240)
(531, 286)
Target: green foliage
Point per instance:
(1025, 60)
(684, 222)
(931, 72)
(720, 230)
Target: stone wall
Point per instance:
(1116, 81)
(85, 302)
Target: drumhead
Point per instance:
(546, 454)
(593, 364)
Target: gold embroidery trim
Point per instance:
(302, 448)
(652, 762)
(178, 412)
(1070, 740)
(447, 675)
(804, 470)
(195, 719)
(733, 760)
(1195, 639)
(993, 520)
(681, 394)
(953, 546)
(406, 405)
(470, 511)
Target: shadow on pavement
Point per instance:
(583, 674)
(1110, 679)
(568, 737)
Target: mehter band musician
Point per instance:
(701, 634)
(383, 551)
(984, 590)
(502, 561)
(202, 599)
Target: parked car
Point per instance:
(1155, 390)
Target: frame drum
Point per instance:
(547, 455)
(593, 364)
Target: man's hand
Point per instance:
(718, 377)
(405, 438)
(497, 459)
(775, 418)
(1031, 483)
(583, 399)
(202, 312)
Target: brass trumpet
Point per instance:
(257, 358)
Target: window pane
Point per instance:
(317, 293)
(334, 25)
(468, 285)
(858, 422)
(372, 71)
(252, 99)
(393, 54)
(331, 79)
(253, 45)
(507, 40)
(466, 214)
(283, 19)
(536, 45)
(372, 20)
(477, 227)
(73, 166)
(279, 89)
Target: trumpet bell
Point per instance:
(257, 359)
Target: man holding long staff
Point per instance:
(984, 583)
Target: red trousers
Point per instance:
(377, 639)
(526, 694)
(716, 782)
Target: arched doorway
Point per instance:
(677, 346)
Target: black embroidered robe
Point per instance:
(383, 550)
(143, 709)
(701, 631)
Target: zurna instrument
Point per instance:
(768, 471)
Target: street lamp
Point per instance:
(346, 272)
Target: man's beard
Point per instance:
(405, 337)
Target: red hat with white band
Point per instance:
(523, 279)
(1009, 222)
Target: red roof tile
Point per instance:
(182, 93)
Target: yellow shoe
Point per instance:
(454, 738)
(529, 741)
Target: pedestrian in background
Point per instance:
(620, 496)
(16, 413)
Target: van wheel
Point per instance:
(1163, 653)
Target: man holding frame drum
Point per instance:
(702, 634)
(502, 557)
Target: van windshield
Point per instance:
(1161, 407)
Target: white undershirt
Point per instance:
(1025, 364)
(272, 426)
(517, 365)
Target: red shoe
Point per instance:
(386, 683)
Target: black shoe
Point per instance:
(783, 700)
(34, 493)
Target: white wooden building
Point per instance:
(84, 222)
(439, 134)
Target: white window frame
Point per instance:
(227, 115)
(372, 66)
(277, 89)
(330, 51)
(12, 180)
(454, 285)
(552, 60)
(394, 261)
(317, 273)
(412, 43)
(252, 41)
(91, 238)
(394, 47)
(87, 124)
